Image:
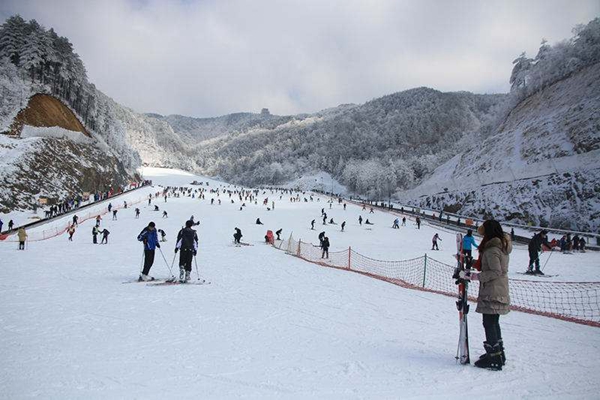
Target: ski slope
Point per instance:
(269, 326)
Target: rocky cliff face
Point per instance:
(541, 167)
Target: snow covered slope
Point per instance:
(543, 165)
(269, 326)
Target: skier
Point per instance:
(258, 222)
(187, 242)
(468, 242)
(312, 225)
(156, 208)
(332, 222)
(278, 233)
(95, 232)
(325, 247)
(360, 220)
(11, 224)
(493, 299)
(403, 221)
(371, 211)
(512, 234)
(163, 235)
(98, 219)
(325, 219)
(109, 207)
(343, 225)
(71, 231)
(237, 236)
(105, 234)
(196, 223)
(582, 244)
(367, 222)
(434, 244)
(137, 213)
(321, 236)
(396, 224)
(418, 221)
(535, 247)
(115, 215)
(150, 239)
(575, 239)
(1, 223)
(75, 220)
(22, 238)
(165, 215)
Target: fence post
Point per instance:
(298, 250)
(349, 253)
(425, 270)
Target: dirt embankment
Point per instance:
(46, 111)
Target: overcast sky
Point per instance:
(208, 58)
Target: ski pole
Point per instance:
(196, 263)
(142, 265)
(166, 263)
(548, 259)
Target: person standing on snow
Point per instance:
(150, 239)
(22, 238)
(434, 244)
(360, 220)
(493, 299)
(187, 242)
(11, 224)
(325, 247)
(137, 213)
(535, 247)
(468, 243)
(71, 231)
(95, 232)
(105, 234)
(312, 225)
(343, 225)
(237, 236)
(418, 221)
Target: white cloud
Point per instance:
(206, 58)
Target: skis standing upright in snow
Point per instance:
(462, 354)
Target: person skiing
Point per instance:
(278, 233)
(325, 247)
(11, 224)
(258, 222)
(512, 234)
(150, 239)
(360, 220)
(156, 208)
(71, 232)
(468, 243)
(115, 214)
(109, 207)
(418, 221)
(434, 243)
(493, 299)
(137, 213)
(98, 219)
(237, 236)
(105, 234)
(325, 219)
(535, 247)
(312, 225)
(22, 238)
(321, 236)
(396, 224)
(187, 242)
(332, 222)
(163, 235)
(75, 220)
(165, 215)
(403, 221)
(344, 206)
(367, 222)
(95, 232)
(343, 225)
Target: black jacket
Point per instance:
(535, 244)
(187, 239)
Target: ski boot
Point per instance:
(187, 276)
(181, 275)
(145, 278)
(538, 272)
(492, 359)
(529, 271)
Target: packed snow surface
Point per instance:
(269, 325)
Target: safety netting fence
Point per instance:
(569, 301)
(60, 226)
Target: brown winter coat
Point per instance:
(22, 235)
(493, 279)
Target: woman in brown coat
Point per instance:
(493, 299)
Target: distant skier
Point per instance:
(71, 232)
(367, 222)
(105, 234)
(22, 235)
(109, 207)
(321, 236)
(312, 225)
(115, 215)
(512, 234)
(403, 221)
(278, 233)
(258, 222)
(98, 219)
(150, 239)
(163, 235)
(11, 224)
(396, 224)
(434, 242)
(137, 213)
(371, 211)
(325, 219)
(325, 247)
(344, 206)
(95, 232)
(187, 242)
(582, 244)
(237, 236)
(535, 247)
(343, 225)
(156, 208)
(165, 215)
(418, 221)
(360, 220)
(468, 243)
(75, 220)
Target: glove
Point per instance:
(195, 252)
(468, 275)
(176, 249)
(158, 245)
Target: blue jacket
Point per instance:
(468, 241)
(150, 239)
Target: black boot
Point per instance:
(484, 354)
(492, 359)
(501, 344)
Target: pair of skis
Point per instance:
(462, 304)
